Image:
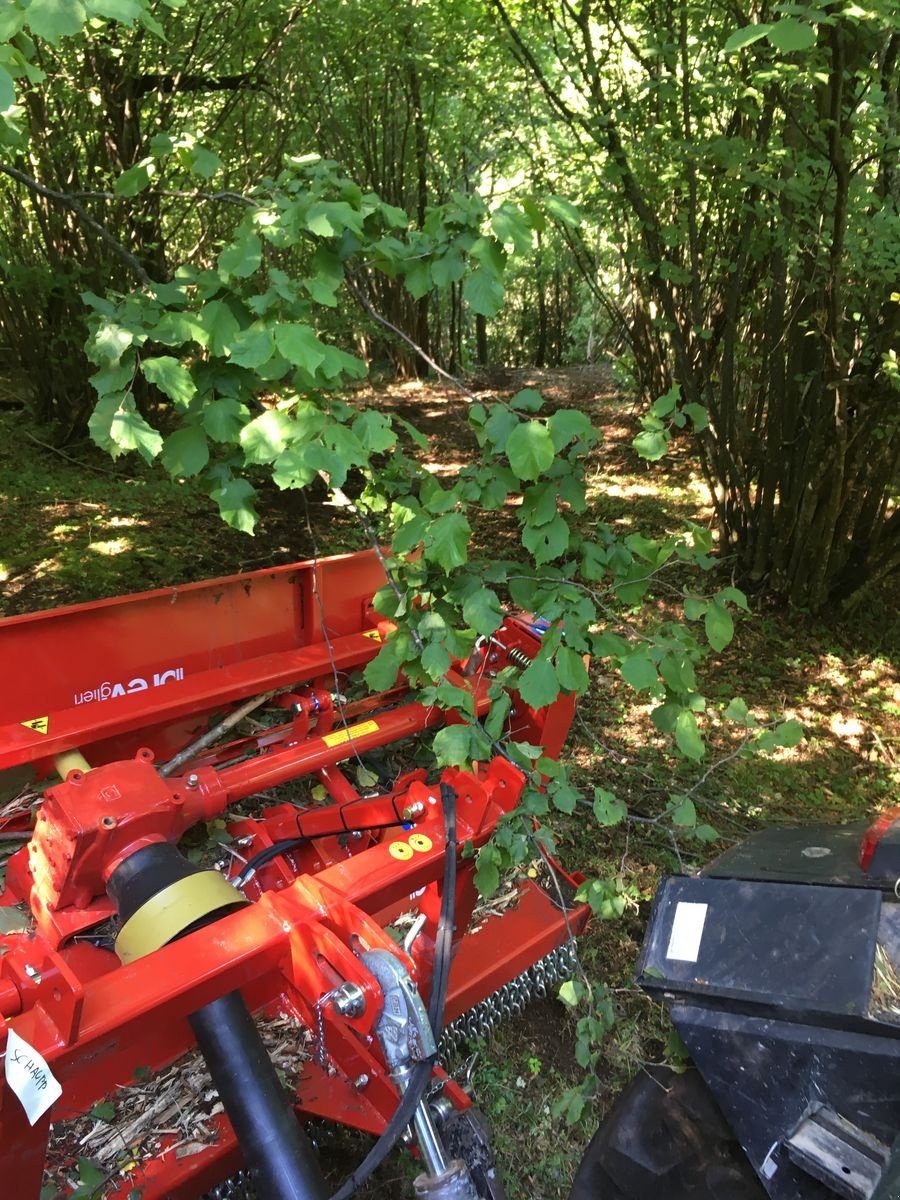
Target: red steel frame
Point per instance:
(94, 1020)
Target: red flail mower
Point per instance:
(127, 722)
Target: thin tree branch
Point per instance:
(72, 204)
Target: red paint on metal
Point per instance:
(94, 1020)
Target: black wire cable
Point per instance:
(421, 1076)
(285, 845)
(440, 974)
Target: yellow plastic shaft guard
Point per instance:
(172, 910)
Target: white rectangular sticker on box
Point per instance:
(29, 1077)
(687, 931)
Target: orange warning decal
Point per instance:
(373, 633)
(340, 736)
(38, 724)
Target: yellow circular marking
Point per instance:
(420, 842)
(172, 910)
(400, 850)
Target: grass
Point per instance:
(70, 533)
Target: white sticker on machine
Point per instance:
(687, 931)
(28, 1075)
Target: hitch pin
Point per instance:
(414, 930)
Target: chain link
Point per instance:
(537, 982)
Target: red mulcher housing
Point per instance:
(116, 698)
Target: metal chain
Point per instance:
(538, 981)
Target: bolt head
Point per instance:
(192, 780)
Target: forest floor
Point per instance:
(79, 530)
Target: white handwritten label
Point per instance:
(30, 1077)
(687, 931)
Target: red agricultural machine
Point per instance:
(136, 719)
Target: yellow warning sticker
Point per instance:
(38, 724)
(372, 633)
(340, 736)
(400, 850)
(420, 842)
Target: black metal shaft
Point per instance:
(277, 1151)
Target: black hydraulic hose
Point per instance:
(440, 974)
(421, 1075)
(283, 1165)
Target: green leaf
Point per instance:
(221, 326)
(235, 501)
(512, 228)
(482, 611)
(699, 416)
(789, 734)
(563, 211)
(677, 671)
(204, 162)
(118, 427)
(185, 451)
(528, 400)
(447, 541)
(242, 257)
(608, 808)
(788, 35)
(136, 179)
(746, 36)
(529, 449)
(223, 419)
(176, 328)
(638, 670)
(90, 1174)
(652, 444)
(381, 673)
(663, 405)
(719, 625)
(684, 813)
(495, 721)
(105, 1111)
(735, 595)
(569, 425)
(54, 19)
(452, 746)
(435, 660)
(252, 347)
(124, 11)
(451, 696)
(687, 735)
(7, 90)
(170, 377)
(568, 995)
(483, 291)
(546, 542)
(571, 671)
(695, 607)
(538, 685)
(737, 710)
(564, 797)
(487, 874)
(265, 437)
(295, 468)
(374, 431)
(300, 346)
(449, 268)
